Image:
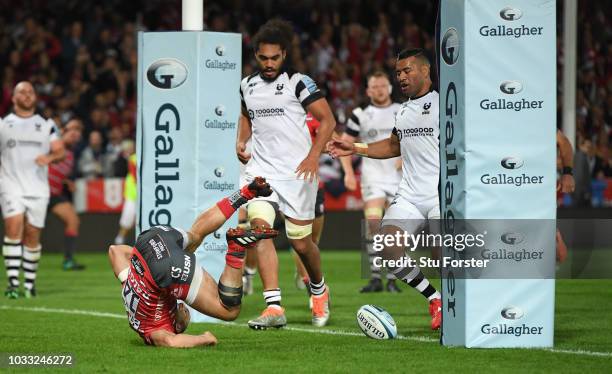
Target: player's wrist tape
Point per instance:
(568, 170)
(234, 201)
(230, 296)
(361, 149)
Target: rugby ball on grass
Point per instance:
(376, 323)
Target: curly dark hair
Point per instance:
(275, 31)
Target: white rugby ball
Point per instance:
(376, 323)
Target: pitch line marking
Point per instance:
(297, 329)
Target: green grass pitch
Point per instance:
(104, 342)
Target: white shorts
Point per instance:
(35, 208)
(410, 216)
(371, 191)
(295, 198)
(128, 214)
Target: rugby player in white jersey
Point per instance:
(379, 178)
(275, 101)
(416, 139)
(28, 144)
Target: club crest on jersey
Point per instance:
(372, 133)
(426, 107)
(11, 143)
(38, 126)
(279, 89)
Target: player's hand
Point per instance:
(241, 152)
(209, 339)
(43, 160)
(567, 184)
(350, 182)
(338, 148)
(308, 168)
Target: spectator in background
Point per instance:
(91, 163)
(112, 153)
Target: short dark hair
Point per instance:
(275, 31)
(418, 53)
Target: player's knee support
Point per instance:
(261, 210)
(373, 213)
(297, 231)
(230, 296)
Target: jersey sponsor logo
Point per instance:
(416, 131)
(11, 143)
(311, 86)
(159, 248)
(372, 133)
(29, 143)
(137, 265)
(450, 46)
(266, 112)
(167, 73)
(37, 127)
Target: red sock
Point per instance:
(235, 255)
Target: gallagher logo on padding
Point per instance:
(167, 73)
(510, 14)
(450, 46)
(511, 87)
(511, 163)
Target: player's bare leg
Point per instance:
(12, 252)
(299, 233)
(31, 256)
(561, 248)
(65, 211)
(373, 213)
(302, 280)
(250, 263)
(413, 276)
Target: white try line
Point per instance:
(423, 339)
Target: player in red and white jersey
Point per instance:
(161, 269)
(62, 186)
(28, 144)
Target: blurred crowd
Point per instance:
(82, 58)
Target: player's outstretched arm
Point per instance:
(119, 257)
(386, 148)
(56, 154)
(163, 338)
